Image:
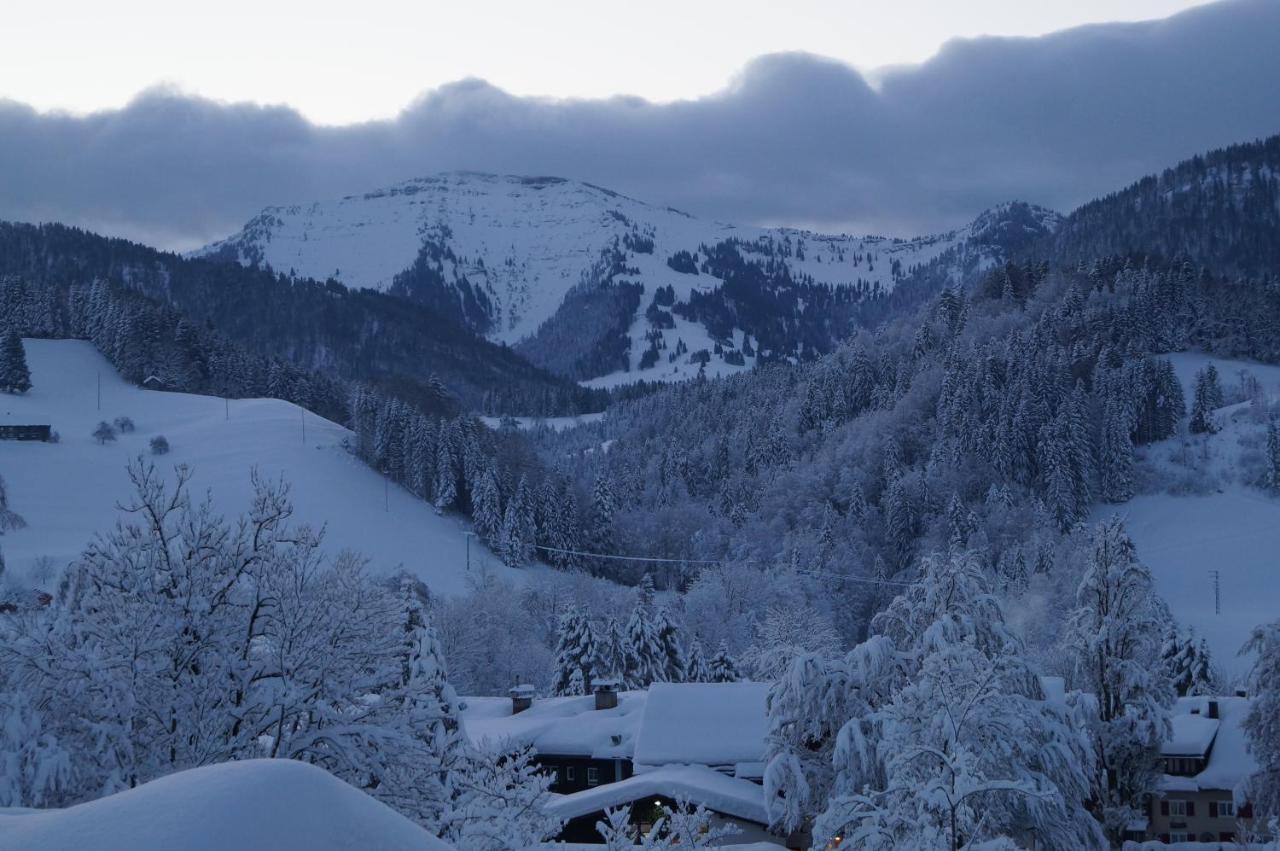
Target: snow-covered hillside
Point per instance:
(1233, 528)
(278, 804)
(510, 248)
(67, 491)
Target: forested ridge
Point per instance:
(356, 335)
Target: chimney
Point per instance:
(521, 698)
(606, 691)
(1213, 709)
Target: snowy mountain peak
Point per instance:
(597, 285)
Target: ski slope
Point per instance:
(276, 804)
(1234, 529)
(67, 491)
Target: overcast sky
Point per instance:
(341, 62)
(754, 112)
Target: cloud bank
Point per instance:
(796, 139)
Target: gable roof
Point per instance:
(1229, 760)
(566, 726)
(695, 784)
(706, 723)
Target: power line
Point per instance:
(656, 560)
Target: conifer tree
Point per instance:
(722, 668)
(576, 653)
(516, 540)
(1208, 397)
(1115, 465)
(675, 664)
(1272, 469)
(644, 658)
(15, 377)
(696, 670)
(486, 512)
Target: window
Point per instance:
(1181, 837)
(593, 777)
(1178, 809)
(1226, 809)
(571, 773)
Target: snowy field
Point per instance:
(1234, 529)
(67, 491)
(277, 804)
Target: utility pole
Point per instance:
(227, 405)
(386, 492)
(1217, 592)
(99, 390)
(303, 412)
(469, 536)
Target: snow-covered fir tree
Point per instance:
(486, 510)
(675, 664)
(517, 538)
(644, 657)
(15, 376)
(721, 666)
(1208, 397)
(1114, 636)
(610, 661)
(696, 669)
(1271, 470)
(1187, 663)
(576, 654)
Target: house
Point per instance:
(583, 742)
(731, 801)
(1204, 760)
(26, 432)
(700, 743)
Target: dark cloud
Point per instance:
(796, 138)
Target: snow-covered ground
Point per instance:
(67, 491)
(1233, 529)
(524, 242)
(277, 804)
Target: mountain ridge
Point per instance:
(521, 259)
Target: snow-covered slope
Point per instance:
(277, 804)
(510, 248)
(67, 491)
(1232, 528)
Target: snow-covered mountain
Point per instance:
(598, 285)
(67, 491)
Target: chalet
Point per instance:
(583, 742)
(1204, 760)
(702, 743)
(26, 432)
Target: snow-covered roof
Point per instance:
(706, 723)
(261, 803)
(693, 783)
(557, 725)
(1192, 735)
(1229, 758)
